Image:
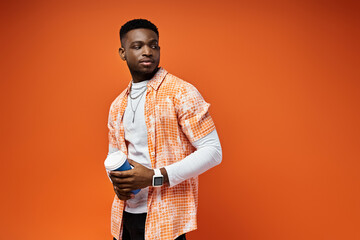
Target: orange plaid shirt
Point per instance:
(176, 115)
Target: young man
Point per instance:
(163, 125)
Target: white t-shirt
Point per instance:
(136, 140)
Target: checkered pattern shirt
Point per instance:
(176, 115)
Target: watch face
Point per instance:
(158, 181)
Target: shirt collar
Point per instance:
(155, 81)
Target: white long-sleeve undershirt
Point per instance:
(208, 154)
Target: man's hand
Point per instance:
(125, 181)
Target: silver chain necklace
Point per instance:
(133, 98)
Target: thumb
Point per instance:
(133, 163)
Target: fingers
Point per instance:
(120, 181)
(123, 194)
(124, 186)
(122, 197)
(121, 174)
(132, 162)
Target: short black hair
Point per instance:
(135, 24)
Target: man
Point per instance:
(163, 125)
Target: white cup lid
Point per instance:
(114, 160)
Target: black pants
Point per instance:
(134, 227)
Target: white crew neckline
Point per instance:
(139, 85)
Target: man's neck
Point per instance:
(136, 77)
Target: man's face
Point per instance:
(140, 48)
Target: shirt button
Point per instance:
(152, 153)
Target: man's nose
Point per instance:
(147, 51)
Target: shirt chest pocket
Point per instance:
(165, 112)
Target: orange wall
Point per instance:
(283, 81)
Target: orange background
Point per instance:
(283, 82)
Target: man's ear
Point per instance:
(122, 53)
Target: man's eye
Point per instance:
(136, 47)
(154, 46)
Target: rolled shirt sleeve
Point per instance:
(197, 124)
(192, 112)
(112, 139)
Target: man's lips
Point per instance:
(146, 62)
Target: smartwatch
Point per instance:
(158, 179)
